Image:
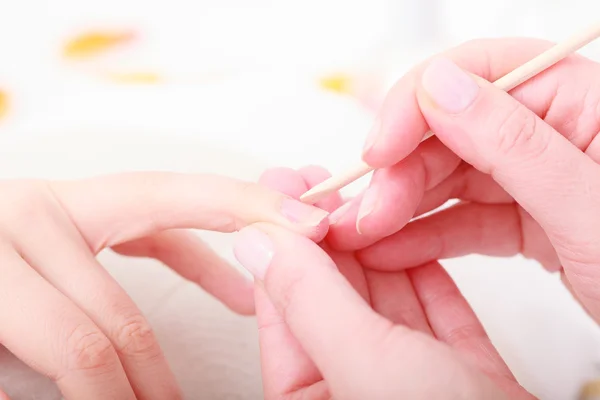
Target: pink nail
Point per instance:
(254, 250)
(301, 213)
(449, 87)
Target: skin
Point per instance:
(524, 169)
(311, 297)
(76, 324)
(371, 314)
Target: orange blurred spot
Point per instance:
(339, 83)
(3, 103)
(136, 77)
(93, 43)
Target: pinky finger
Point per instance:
(190, 257)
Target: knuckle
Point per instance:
(90, 349)
(135, 338)
(517, 132)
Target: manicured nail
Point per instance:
(338, 214)
(300, 213)
(373, 136)
(254, 250)
(367, 205)
(451, 88)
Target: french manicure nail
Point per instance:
(373, 135)
(300, 213)
(254, 250)
(338, 214)
(367, 205)
(451, 88)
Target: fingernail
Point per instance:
(338, 214)
(300, 213)
(373, 136)
(449, 87)
(254, 250)
(367, 205)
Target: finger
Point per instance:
(358, 352)
(49, 333)
(454, 322)
(500, 230)
(401, 124)
(285, 180)
(149, 203)
(286, 368)
(393, 196)
(497, 135)
(467, 184)
(547, 175)
(393, 297)
(294, 183)
(190, 257)
(299, 294)
(57, 251)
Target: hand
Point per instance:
(330, 328)
(529, 182)
(65, 316)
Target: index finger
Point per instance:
(113, 209)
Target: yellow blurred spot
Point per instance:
(93, 43)
(3, 103)
(338, 83)
(136, 77)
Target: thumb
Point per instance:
(547, 175)
(359, 353)
(331, 321)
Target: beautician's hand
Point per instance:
(65, 316)
(530, 179)
(329, 328)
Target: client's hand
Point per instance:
(65, 316)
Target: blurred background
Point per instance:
(216, 67)
(287, 82)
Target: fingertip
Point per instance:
(241, 301)
(314, 175)
(399, 128)
(246, 307)
(285, 180)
